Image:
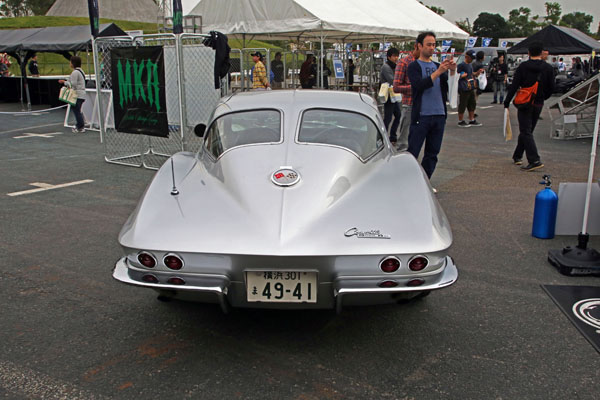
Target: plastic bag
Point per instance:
(394, 97)
(482, 81)
(453, 90)
(383, 94)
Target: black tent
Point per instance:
(22, 44)
(559, 40)
(56, 39)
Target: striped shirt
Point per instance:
(401, 82)
(259, 76)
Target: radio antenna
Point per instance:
(174, 191)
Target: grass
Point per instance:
(44, 22)
(56, 64)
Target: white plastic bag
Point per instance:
(482, 81)
(383, 92)
(394, 97)
(453, 90)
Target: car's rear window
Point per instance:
(350, 130)
(243, 128)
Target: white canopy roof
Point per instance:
(335, 20)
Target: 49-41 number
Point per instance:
(279, 290)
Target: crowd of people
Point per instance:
(4, 65)
(417, 122)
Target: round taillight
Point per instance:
(147, 260)
(176, 281)
(150, 278)
(173, 262)
(418, 263)
(390, 264)
(415, 282)
(388, 284)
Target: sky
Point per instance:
(461, 9)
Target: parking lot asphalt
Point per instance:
(68, 330)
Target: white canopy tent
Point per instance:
(324, 20)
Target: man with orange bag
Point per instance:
(530, 72)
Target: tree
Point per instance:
(39, 7)
(520, 23)
(13, 8)
(19, 8)
(577, 20)
(553, 11)
(464, 25)
(490, 25)
(435, 9)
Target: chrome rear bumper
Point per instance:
(347, 287)
(212, 284)
(342, 287)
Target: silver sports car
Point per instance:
(295, 200)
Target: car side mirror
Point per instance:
(199, 130)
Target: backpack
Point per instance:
(526, 95)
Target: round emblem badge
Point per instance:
(285, 176)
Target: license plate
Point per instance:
(282, 286)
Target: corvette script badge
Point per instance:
(285, 176)
(372, 234)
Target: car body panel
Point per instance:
(229, 217)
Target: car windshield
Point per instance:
(352, 131)
(243, 128)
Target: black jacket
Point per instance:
(526, 76)
(218, 42)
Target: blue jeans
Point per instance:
(429, 130)
(499, 87)
(391, 110)
(78, 114)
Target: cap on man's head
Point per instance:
(470, 53)
(256, 54)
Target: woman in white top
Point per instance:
(76, 81)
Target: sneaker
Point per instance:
(75, 130)
(494, 102)
(533, 166)
(517, 161)
(463, 124)
(475, 123)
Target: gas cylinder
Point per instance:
(544, 213)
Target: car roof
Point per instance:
(297, 100)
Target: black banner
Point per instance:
(94, 17)
(139, 101)
(177, 17)
(581, 304)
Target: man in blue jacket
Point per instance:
(429, 84)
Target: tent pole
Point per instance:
(586, 209)
(322, 59)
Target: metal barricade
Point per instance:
(119, 148)
(190, 97)
(237, 66)
(199, 96)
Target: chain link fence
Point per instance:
(119, 148)
(190, 97)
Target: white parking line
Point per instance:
(44, 135)
(33, 127)
(46, 186)
(485, 107)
